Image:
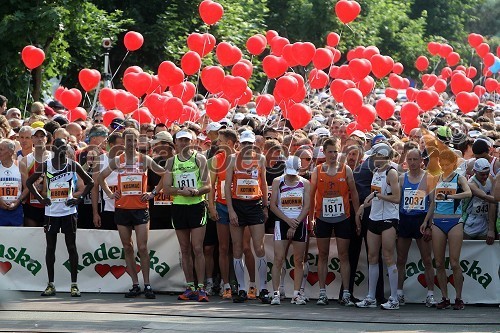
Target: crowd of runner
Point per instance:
(223, 185)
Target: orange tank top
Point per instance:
(332, 194)
(132, 183)
(220, 170)
(246, 180)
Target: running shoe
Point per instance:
(227, 294)
(430, 301)
(276, 299)
(252, 293)
(202, 295)
(299, 300)
(264, 296)
(241, 297)
(134, 292)
(401, 299)
(50, 290)
(148, 292)
(391, 304)
(188, 295)
(444, 304)
(282, 293)
(322, 300)
(459, 304)
(209, 289)
(346, 300)
(367, 303)
(303, 293)
(75, 292)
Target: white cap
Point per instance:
(38, 129)
(184, 134)
(238, 117)
(321, 131)
(319, 118)
(247, 136)
(474, 134)
(292, 165)
(381, 149)
(359, 134)
(226, 122)
(481, 165)
(213, 127)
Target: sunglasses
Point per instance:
(98, 121)
(269, 138)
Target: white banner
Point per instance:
(102, 266)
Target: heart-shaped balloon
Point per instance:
(359, 69)
(299, 115)
(347, 11)
(317, 79)
(227, 55)
(212, 78)
(391, 93)
(107, 98)
(274, 66)
(467, 102)
(243, 68)
(338, 87)
(234, 86)
(173, 108)
(71, 98)
(202, 44)
(210, 11)
(89, 78)
(190, 63)
(169, 74)
(323, 58)
(303, 52)
(256, 44)
(185, 91)
(353, 100)
(137, 83)
(264, 104)
(126, 102)
(32, 56)
(427, 99)
(385, 108)
(217, 108)
(381, 65)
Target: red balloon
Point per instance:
(459, 82)
(366, 85)
(411, 94)
(427, 99)
(303, 52)
(154, 103)
(338, 87)
(77, 113)
(133, 69)
(110, 115)
(300, 94)
(89, 78)
(32, 56)
(409, 110)
(395, 81)
(446, 72)
(410, 124)
(440, 86)
(137, 83)
(274, 66)
(173, 108)
(256, 44)
(385, 108)
(202, 44)
(107, 98)
(356, 53)
(185, 91)
(264, 104)
(143, 116)
(491, 84)
(243, 68)
(433, 48)
(126, 102)
(391, 93)
(323, 58)
(370, 51)
(453, 59)
(398, 68)
(445, 50)
(317, 79)
(245, 97)
(429, 80)
(58, 92)
(475, 39)
(210, 11)
(217, 108)
(489, 59)
(381, 65)
(71, 98)
(299, 115)
(133, 41)
(422, 63)
(353, 100)
(191, 63)
(471, 72)
(479, 91)
(347, 11)
(467, 101)
(287, 54)
(234, 86)
(366, 115)
(155, 86)
(359, 69)
(212, 78)
(286, 86)
(482, 49)
(332, 39)
(169, 74)
(227, 54)
(277, 45)
(270, 34)
(336, 54)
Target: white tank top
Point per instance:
(10, 182)
(291, 198)
(112, 181)
(60, 188)
(381, 209)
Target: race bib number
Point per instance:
(269, 193)
(161, 199)
(59, 191)
(187, 179)
(333, 207)
(414, 200)
(480, 208)
(131, 184)
(291, 200)
(446, 188)
(113, 189)
(9, 190)
(247, 188)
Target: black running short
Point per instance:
(131, 217)
(281, 230)
(377, 227)
(34, 213)
(211, 233)
(189, 216)
(342, 229)
(409, 225)
(66, 224)
(249, 212)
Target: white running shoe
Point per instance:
(303, 293)
(209, 289)
(430, 301)
(322, 300)
(346, 300)
(367, 303)
(282, 293)
(401, 300)
(391, 304)
(299, 300)
(276, 299)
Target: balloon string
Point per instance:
(88, 98)
(27, 95)
(121, 63)
(437, 64)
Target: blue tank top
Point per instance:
(449, 206)
(414, 198)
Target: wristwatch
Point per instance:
(153, 192)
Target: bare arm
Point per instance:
(395, 196)
(467, 193)
(204, 174)
(104, 174)
(30, 184)
(477, 192)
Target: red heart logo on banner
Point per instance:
(137, 269)
(102, 270)
(330, 277)
(117, 271)
(5, 266)
(312, 278)
(422, 280)
(292, 274)
(451, 280)
(436, 283)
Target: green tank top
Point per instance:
(186, 174)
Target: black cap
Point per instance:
(56, 105)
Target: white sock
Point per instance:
(430, 292)
(227, 286)
(393, 281)
(239, 271)
(372, 280)
(400, 292)
(295, 293)
(304, 276)
(322, 291)
(282, 277)
(345, 293)
(262, 269)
